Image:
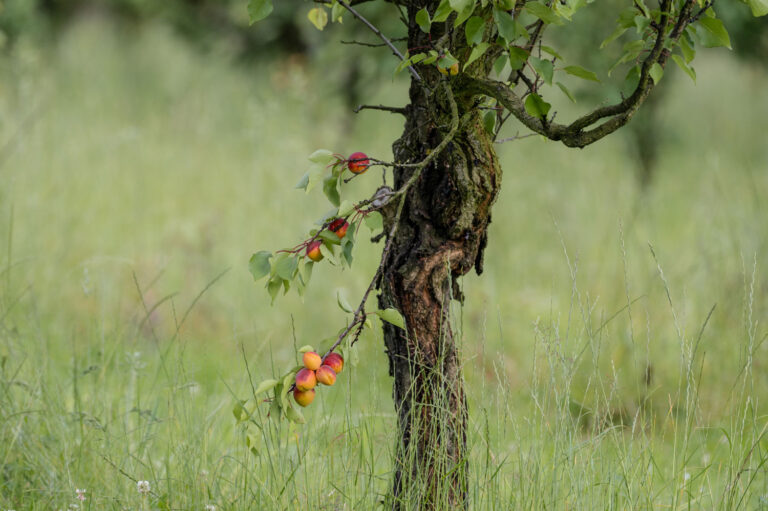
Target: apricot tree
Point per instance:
(473, 65)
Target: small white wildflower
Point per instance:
(143, 487)
(204, 473)
(210, 507)
(686, 477)
(80, 493)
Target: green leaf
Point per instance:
(641, 23)
(250, 442)
(319, 17)
(501, 63)
(632, 78)
(259, 264)
(614, 35)
(265, 386)
(303, 182)
(374, 221)
(239, 411)
(759, 7)
(442, 12)
(476, 52)
(285, 266)
(447, 61)
(329, 237)
(346, 251)
(536, 106)
(631, 50)
(294, 415)
(322, 156)
(581, 73)
(465, 13)
(505, 24)
(313, 175)
(392, 316)
(422, 19)
(520, 30)
(566, 91)
(331, 191)
(285, 388)
(688, 52)
(258, 10)
(474, 30)
(273, 287)
(489, 121)
(345, 208)
(544, 13)
(327, 251)
(656, 72)
(643, 7)
(544, 68)
(343, 303)
(276, 409)
(685, 67)
(517, 57)
(459, 5)
(713, 33)
(336, 11)
(551, 51)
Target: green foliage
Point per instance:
(392, 316)
(712, 32)
(259, 9)
(536, 106)
(319, 17)
(422, 18)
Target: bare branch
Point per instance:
(393, 109)
(381, 36)
(373, 45)
(516, 137)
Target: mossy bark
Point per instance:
(441, 236)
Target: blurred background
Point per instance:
(148, 148)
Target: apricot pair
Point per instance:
(339, 227)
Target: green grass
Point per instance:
(137, 171)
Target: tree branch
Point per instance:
(393, 109)
(373, 45)
(619, 114)
(381, 36)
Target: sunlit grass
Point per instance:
(139, 171)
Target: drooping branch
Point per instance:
(575, 134)
(393, 109)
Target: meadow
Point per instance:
(614, 348)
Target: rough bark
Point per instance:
(440, 237)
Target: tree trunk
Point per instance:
(440, 237)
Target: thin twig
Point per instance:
(381, 36)
(516, 137)
(373, 45)
(393, 109)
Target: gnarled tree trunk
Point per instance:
(441, 236)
